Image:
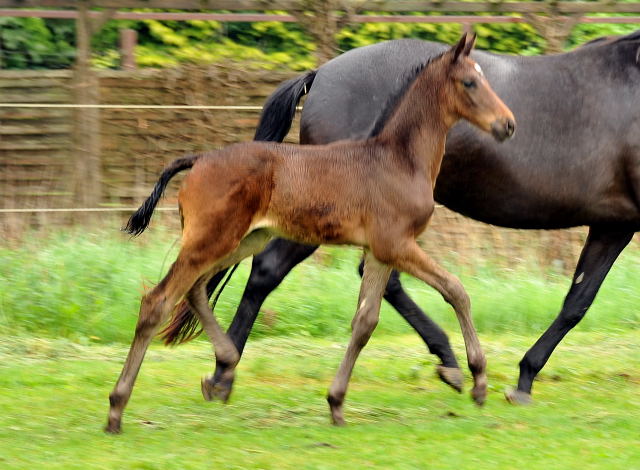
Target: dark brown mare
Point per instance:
(376, 193)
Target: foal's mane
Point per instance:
(394, 100)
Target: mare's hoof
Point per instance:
(216, 390)
(452, 376)
(518, 397)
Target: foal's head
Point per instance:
(471, 95)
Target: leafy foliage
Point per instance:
(33, 43)
(40, 43)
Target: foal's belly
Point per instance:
(315, 225)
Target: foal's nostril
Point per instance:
(511, 127)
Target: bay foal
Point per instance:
(376, 193)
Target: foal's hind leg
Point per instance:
(224, 349)
(154, 310)
(268, 269)
(413, 260)
(374, 280)
(196, 258)
(227, 355)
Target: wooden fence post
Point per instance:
(87, 165)
(128, 41)
(554, 28)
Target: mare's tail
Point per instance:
(275, 122)
(139, 221)
(280, 108)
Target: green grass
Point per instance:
(54, 405)
(87, 287)
(69, 302)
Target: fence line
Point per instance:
(132, 106)
(90, 209)
(257, 17)
(81, 209)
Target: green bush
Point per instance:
(50, 43)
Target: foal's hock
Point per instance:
(376, 193)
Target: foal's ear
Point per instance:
(469, 44)
(458, 48)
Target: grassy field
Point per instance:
(68, 306)
(54, 404)
(87, 287)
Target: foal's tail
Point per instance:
(277, 114)
(139, 221)
(275, 122)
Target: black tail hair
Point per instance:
(277, 114)
(139, 221)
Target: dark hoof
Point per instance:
(518, 397)
(452, 376)
(335, 406)
(337, 420)
(113, 427)
(479, 395)
(216, 390)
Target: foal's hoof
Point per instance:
(335, 406)
(452, 376)
(479, 390)
(518, 397)
(113, 426)
(479, 394)
(216, 390)
(337, 420)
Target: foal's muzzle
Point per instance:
(502, 129)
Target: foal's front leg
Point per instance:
(411, 259)
(374, 281)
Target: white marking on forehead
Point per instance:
(478, 68)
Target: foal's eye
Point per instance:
(469, 83)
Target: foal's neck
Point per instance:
(417, 129)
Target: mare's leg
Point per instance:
(411, 259)
(434, 336)
(268, 270)
(374, 280)
(598, 255)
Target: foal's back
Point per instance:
(313, 194)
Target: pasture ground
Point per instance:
(68, 303)
(586, 415)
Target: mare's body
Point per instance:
(574, 161)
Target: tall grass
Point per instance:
(87, 287)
